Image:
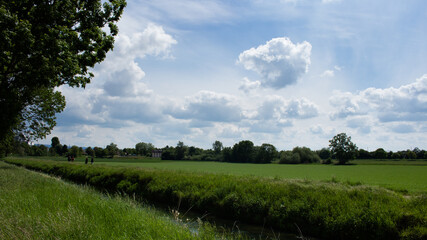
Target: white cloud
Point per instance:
(209, 106)
(362, 124)
(406, 103)
(346, 104)
(248, 85)
(280, 62)
(328, 73)
(119, 96)
(276, 107)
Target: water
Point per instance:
(192, 220)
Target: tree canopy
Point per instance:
(45, 44)
(342, 148)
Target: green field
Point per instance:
(325, 209)
(403, 176)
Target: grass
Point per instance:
(36, 206)
(328, 210)
(403, 176)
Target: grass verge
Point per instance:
(35, 206)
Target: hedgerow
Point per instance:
(326, 210)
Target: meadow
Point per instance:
(325, 209)
(37, 206)
(404, 176)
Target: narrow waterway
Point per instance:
(192, 220)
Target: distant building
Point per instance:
(156, 153)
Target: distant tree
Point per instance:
(192, 150)
(288, 157)
(266, 153)
(180, 151)
(243, 152)
(129, 151)
(64, 150)
(324, 153)
(74, 151)
(99, 152)
(380, 153)
(168, 153)
(410, 154)
(342, 148)
(54, 142)
(89, 151)
(144, 149)
(227, 154)
(306, 155)
(420, 153)
(112, 150)
(217, 147)
(396, 155)
(363, 154)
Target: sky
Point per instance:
(285, 72)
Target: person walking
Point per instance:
(91, 160)
(86, 160)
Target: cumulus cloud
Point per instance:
(362, 124)
(328, 73)
(209, 106)
(276, 107)
(280, 62)
(406, 103)
(120, 73)
(346, 104)
(119, 94)
(248, 85)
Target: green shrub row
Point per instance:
(319, 209)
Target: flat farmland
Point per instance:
(403, 176)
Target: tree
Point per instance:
(55, 142)
(89, 151)
(217, 147)
(144, 149)
(74, 151)
(64, 150)
(266, 153)
(342, 148)
(324, 153)
(112, 149)
(243, 152)
(45, 44)
(180, 150)
(380, 153)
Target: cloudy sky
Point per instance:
(286, 72)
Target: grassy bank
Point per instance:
(34, 206)
(403, 176)
(326, 210)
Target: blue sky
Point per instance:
(286, 72)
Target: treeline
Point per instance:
(241, 152)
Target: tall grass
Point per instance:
(33, 206)
(323, 209)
